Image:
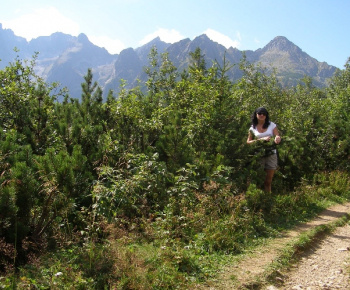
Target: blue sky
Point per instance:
(318, 27)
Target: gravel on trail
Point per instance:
(326, 265)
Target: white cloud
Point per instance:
(166, 35)
(223, 39)
(114, 46)
(42, 22)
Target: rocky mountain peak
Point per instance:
(144, 50)
(281, 43)
(202, 39)
(82, 38)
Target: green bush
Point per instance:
(168, 165)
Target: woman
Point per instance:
(262, 130)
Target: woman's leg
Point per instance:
(268, 179)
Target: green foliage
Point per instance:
(338, 121)
(169, 165)
(258, 200)
(134, 192)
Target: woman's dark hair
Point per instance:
(255, 119)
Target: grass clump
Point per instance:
(182, 246)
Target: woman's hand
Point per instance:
(277, 139)
(277, 136)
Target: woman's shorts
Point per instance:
(269, 162)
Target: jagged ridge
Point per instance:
(65, 59)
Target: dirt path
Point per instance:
(323, 267)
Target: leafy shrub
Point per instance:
(132, 192)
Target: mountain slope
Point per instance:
(70, 67)
(292, 63)
(65, 59)
(9, 41)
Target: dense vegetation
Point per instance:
(148, 190)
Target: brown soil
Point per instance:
(324, 266)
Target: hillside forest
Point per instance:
(153, 189)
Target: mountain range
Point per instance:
(65, 59)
